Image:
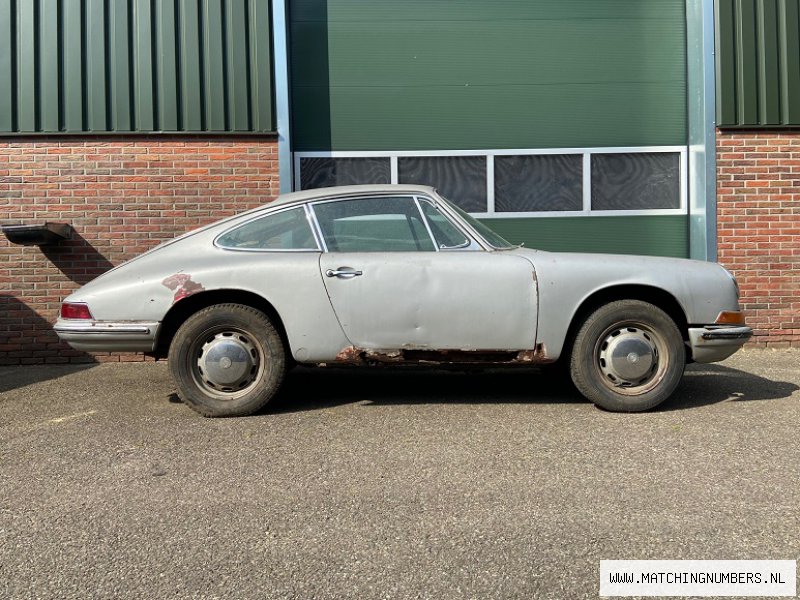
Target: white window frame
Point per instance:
(491, 213)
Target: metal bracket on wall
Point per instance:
(37, 235)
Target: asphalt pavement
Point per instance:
(386, 483)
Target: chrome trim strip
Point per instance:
(317, 228)
(427, 225)
(469, 244)
(312, 223)
(270, 250)
(443, 207)
(105, 328)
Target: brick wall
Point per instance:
(758, 208)
(122, 196)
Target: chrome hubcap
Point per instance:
(228, 362)
(629, 358)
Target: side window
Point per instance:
(373, 225)
(286, 230)
(444, 232)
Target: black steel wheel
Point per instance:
(227, 360)
(628, 356)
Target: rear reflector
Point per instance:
(730, 317)
(75, 310)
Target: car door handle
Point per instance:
(344, 272)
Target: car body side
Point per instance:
(571, 283)
(151, 289)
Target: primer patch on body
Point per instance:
(183, 286)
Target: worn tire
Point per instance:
(227, 360)
(628, 356)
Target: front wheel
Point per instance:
(227, 360)
(628, 356)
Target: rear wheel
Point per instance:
(227, 360)
(628, 356)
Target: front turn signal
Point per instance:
(730, 317)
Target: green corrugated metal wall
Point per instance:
(660, 235)
(467, 74)
(423, 74)
(758, 63)
(135, 65)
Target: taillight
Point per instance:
(75, 310)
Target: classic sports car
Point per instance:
(378, 275)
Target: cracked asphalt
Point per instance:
(386, 483)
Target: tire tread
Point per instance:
(188, 391)
(583, 371)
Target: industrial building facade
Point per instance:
(574, 125)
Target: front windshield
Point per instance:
(494, 239)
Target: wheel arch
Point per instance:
(646, 293)
(182, 310)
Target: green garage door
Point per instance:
(561, 121)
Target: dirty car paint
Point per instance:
(515, 301)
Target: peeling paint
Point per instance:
(426, 356)
(349, 354)
(395, 356)
(536, 356)
(183, 286)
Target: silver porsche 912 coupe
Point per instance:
(388, 274)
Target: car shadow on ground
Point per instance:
(709, 384)
(23, 332)
(311, 389)
(316, 389)
(19, 376)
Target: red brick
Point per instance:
(759, 238)
(122, 196)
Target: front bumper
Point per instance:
(105, 336)
(716, 342)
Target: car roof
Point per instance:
(330, 193)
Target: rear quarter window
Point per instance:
(286, 230)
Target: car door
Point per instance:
(393, 287)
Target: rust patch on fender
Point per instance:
(396, 356)
(183, 286)
(353, 355)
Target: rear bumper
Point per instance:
(716, 342)
(105, 336)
